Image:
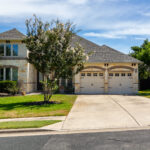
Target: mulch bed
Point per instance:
(43, 103)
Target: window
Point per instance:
(117, 74)
(111, 74)
(133, 64)
(94, 74)
(1, 49)
(9, 74)
(88, 74)
(14, 74)
(1, 74)
(63, 82)
(15, 49)
(8, 50)
(129, 74)
(106, 65)
(82, 74)
(100, 74)
(123, 74)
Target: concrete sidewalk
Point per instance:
(35, 118)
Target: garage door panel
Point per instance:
(122, 84)
(93, 84)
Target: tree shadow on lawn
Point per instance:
(30, 105)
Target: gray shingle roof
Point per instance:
(104, 54)
(13, 34)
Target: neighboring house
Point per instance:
(107, 71)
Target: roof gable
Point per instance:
(13, 34)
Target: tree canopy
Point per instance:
(50, 49)
(143, 53)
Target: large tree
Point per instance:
(143, 53)
(51, 53)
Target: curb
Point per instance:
(24, 130)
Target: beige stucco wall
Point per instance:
(106, 78)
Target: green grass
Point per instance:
(145, 93)
(15, 107)
(26, 124)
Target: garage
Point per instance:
(92, 82)
(120, 83)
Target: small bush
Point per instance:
(9, 87)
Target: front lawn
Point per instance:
(16, 107)
(26, 124)
(145, 93)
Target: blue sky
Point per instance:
(119, 24)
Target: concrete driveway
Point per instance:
(108, 111)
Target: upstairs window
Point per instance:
(1, 49)
(15, 49)
(8, 49)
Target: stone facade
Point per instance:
(27, 74)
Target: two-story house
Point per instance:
(107, 71)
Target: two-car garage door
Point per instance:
(92, 83)
(118, 83)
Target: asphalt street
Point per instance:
(127, 140)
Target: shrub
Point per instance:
(9, 87)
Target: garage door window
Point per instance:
(129, 74)
(111, 74)
(82, 74)
(117, 74)
(100, 74)
(123, 74)
(95, 74)
(88, 74)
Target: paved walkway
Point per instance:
(35, 118)
(108, 111)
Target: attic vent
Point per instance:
(133, 64)
(106, 65)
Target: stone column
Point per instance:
(106, 81)
(135, 80)
(77, 83)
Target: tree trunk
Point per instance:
(48, 89)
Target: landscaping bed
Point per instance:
(22, 106)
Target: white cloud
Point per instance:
(78, 1)
(104, 35)
(109, 21)
(140, 38)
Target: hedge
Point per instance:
(9, 87)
